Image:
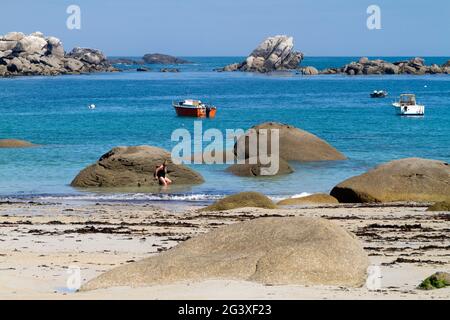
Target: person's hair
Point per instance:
(165, 163)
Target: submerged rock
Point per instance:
(133, 167)
(273, 54)
(412, 179)
(317, 198)
(294, 144)
(14, 143)
(158, 58)
(272, 251)
(175, 70)
(253, 168)
(36, 54)
(242, 200)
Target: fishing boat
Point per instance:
(379, 94)
(194, 108)
(407, 106)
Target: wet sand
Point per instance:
(41, 243)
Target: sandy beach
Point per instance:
(41, 243)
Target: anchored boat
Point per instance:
(407, 106)
(379, 94)
(194, 108)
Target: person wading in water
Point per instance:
(160, 174)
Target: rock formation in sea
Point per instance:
(294, 144)
(133, 167)
(241, 200)
(158, 58)
(36, 54)
(365, 66)
(14, 143)
(411, 179)
(273, 54)
(272, 251)
(317, 198)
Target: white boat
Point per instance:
(407, 106)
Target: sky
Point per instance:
(236, 27)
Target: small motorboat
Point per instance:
(407, 106)
(379, 94)
(194, 108)
(92, 107)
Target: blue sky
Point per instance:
(235, 27)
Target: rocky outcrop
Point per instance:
(273, 54)
(317, 198)
(14, 143)
(365, 66)
(36, 54)
(294, 144)
(412, 179)
(158, 58)
(272, 251)
(242, 200)
(133, 167)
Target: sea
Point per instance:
(134, 108)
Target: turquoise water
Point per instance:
(135, 108)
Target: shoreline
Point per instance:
(39, 242)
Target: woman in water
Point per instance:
(160, 174)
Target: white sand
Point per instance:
(38, 243)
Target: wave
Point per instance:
(134, 197)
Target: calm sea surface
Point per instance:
(135, 108)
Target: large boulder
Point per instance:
(31, 45)
(14, 143)
(242, 200)
(55, 47)
(309, 71)
(294, 144)
(89, 56)
(274, 53)
(7, 45)
(13, 36)
(133, 167)
(272, 251)
(317, 198)
(411, 179)
(158, 58)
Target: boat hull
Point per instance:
(190, 112)
(195, 112)
(415, 110)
